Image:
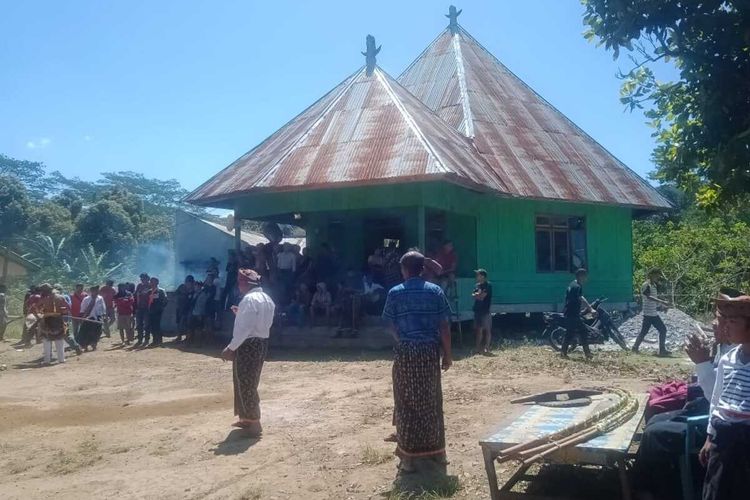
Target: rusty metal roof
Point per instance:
(367, 130)
(532, 147)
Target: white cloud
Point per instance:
(39, 143)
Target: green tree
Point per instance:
(698, 254)
(107, 228)
(50, 218)
(31, 173)
(14, 207)
(702, 120)
(92, 266)
(70, 200)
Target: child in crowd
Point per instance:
(726, 453)
(123, 303)
(321, 302)
(297, 310)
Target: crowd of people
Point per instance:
(81, 318)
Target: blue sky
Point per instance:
(182, 88)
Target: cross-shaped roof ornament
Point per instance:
(452, 15)
(370, 54)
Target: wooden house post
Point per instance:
(421, 229)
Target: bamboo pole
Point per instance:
(599, 423)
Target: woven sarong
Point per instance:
(248, 363)
(89, 333)
(418, 400)
(52, 327)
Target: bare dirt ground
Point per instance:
(155, 423)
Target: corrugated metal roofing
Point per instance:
(532, 147)
(367, 130)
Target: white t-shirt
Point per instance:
(287, 261)
(97, 311)
(254, 318)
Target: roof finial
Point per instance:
(370, 54)
(453, 14)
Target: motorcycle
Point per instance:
(600, 328)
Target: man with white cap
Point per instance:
(248, 348)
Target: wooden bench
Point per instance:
(609, 450)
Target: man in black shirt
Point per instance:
(575, 303)
(482, 318)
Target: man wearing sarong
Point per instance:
(420, 314)
(93, 312)
(248, 348)
(49, 311)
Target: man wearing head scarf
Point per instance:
(420, 315)
(248, 348)
(50, 311)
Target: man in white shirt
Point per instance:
(248, 348)
(651, 301)
(93, 310)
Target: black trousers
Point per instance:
(576, 327)
(656, 322)
(141, 324)
(728, 462)
(154, 326)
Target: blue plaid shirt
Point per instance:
(417, 308)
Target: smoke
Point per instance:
(157, 259)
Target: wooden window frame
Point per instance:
(553, 228)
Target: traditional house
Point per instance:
(456, 148)
(13, 266)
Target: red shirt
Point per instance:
(124, 305)
(108, 294)
(75, 303)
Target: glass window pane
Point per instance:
(543, 251)
(561, 258)
(542, 221)
(560, 222)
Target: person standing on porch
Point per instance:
(248, 348)
(651, 317)
(420, 315)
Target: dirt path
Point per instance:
(155, 423)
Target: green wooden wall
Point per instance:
(504, 228)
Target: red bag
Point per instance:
(668, 396)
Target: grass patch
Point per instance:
(252, 494)
(371, 456)
(87, 453)
(444, 488)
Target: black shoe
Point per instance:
(664, 354)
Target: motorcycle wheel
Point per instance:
(618, 338)
(556, 336)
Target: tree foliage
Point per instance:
(31, 173)
(701, 121)
(50, 218)
(14, 207)
(107, 227)
(698, 254)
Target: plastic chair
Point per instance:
(692, 447)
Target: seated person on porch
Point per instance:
(321, 303)
(373, 296)
(349, 302)
(664, 437)
(296, 311)
(376, 265)
(448, 259)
